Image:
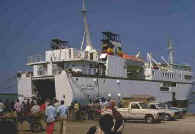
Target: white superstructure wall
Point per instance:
(24, 84)
(68, 54)
(63, 88)
(115, 67)
(35, 70)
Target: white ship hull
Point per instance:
(80, 88)
(128, 88)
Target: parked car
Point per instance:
(170, 114)
(180, 111)
(138, 111)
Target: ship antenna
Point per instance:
(86, 28)
(171, 52)
(83, 41)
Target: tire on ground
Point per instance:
(149, 119)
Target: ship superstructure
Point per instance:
(79, 74)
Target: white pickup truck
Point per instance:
(139, 111)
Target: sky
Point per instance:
(27, 26)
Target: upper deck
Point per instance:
(60, 55)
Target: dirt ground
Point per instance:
(181, 126)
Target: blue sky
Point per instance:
(27, 26)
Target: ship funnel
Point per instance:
(171, 52)
(89, 46)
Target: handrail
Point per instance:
(35, 58)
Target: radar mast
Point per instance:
(89, 46)
(171, 52)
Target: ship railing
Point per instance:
(35, 59)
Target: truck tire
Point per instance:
(167, 117)
(149, 119)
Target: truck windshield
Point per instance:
(144, 106)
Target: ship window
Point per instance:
(28, 74)
(166, 84)
(41, 70)
(86, 55)
(164, 89)
(69, 53)
(19, 75)
(188, 77)
(173, 84)
(91, 56)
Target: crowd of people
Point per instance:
(55, 114)
(50, 111)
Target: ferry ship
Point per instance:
(85, 73)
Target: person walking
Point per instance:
(18, 106)
(19, 116)
(56, 103)
(90, 111)
(119, 122)
(106, 124)
(50, 118)
(77, 110)
(44, 104)
(35, 108)
(62, 116)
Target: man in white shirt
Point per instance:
(62, 114)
